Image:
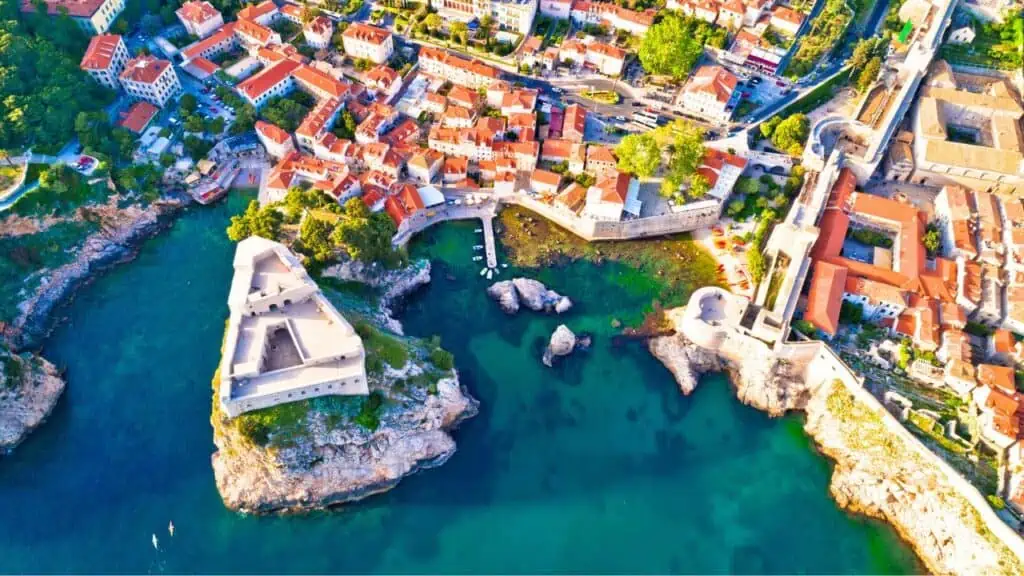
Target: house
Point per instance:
(464, 97)
(264, 13)
(199, 18)
(574, 123)
(518, 102)
(473, 143)
(139, 116)
(1001, 346)
(461, 71)
(1000, 404)
(613, 198)
(318, 32)
(710, 94)
(572, 51)
(318, 122)
(255, 35)
(433, 103)
(601, 161)
(959, 376)
(291, 13)
(93, 16)
(284, 341)
(271, 82)
(573, 154)
(150, 79)
(516, 15)
(455, 170)
(731, 14)
(786, 20)
(457, 117)
(408, 200)
(369, 42)
(277, 142)
(504, 183)
(612, 16)
(556, 8)
(219, 42)
(572, 199)
(105, 58)
(383, 80)
(545, 182)
(608, 59)
(424, 165)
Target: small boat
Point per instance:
(496, 271)
(484, 271)
(478, 247)
(156, 543)
(488, 273)
(505, 265)
(478, 230)
(170, 528)
(477, 258)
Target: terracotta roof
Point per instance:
(320, 25)
(602, 154)
(138, 116)
(614, 188)
(272, 132)
(447, 58)
(197, 12)
(144, 69)
(995, 376)
(225, 33)
(714, 80)
(573, 197)
(321, 80)
(100, 52)
(606, 50)
(825, 297)
(382, 76)
(253, 12)
(575, 119)
(455, 165)
(204, 65)
(788, 15)
(546, 177)
(366, 33)
(463, 96)
(1003, 341)
(75, 8)
(291, 10)
(261, 34)
(255, 86)
(1007, 416)
(318, 117)
(403, 203)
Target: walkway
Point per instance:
(492, 255)
(424, 219)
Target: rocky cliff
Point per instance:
(393, 284)
(29, 389)
(877, 470)
(122, 231)
(331, 457)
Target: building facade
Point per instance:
(105, 58)
(93, 16)
(199, 18)
(369, 42)
(150, 79)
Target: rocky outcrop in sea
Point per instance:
(511, 294)
(331, 459)
(30, 387)
(878, 471)
(395, 285)
(122, 231)
(562, 343)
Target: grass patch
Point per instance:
(601, 96)
(281, 425)
(43, 201)
(679, 264)
(369, 413)
(381, 348)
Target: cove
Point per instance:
(597, 465)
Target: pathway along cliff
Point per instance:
(877, 472)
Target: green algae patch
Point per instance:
(670, 266)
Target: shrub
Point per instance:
(369, 413)
(442, 358)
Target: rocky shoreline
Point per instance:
(30, 387)
(121, 234)
(877, 472)
(337, 460)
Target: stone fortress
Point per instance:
(285, 341)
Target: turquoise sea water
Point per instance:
(597, 465)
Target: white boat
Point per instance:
(496, 271)
(488, 273)
(156, 543)
(478, 230)
(477, 258)
(505, 265)
(170, 528)
(484, 271)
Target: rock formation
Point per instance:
(562, 343)
(511, 294)
(121, 233)
(396, 284)
(334, 460)
(29, 389)
(880, 469)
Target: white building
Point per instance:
(509, 14)
(710, 94)
(369, 42)
(93, 16)
(318, 32)
(264, 13)
(962, 35)
(457, 70)
(150, 79)
(199, 18)
(613, 198)
(786, 20)
(105, 58)
(556, 8)
(277, 142)
(285, 341)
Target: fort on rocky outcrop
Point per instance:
(881, 469)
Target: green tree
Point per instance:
(673, 46)
(756, 265)
(315, 239)
(256, 221)
(432, 21)
(639, 155)
(735, 208)
(767, 127)
(932, 241)
(791, 134)
(366, 236)
(685, 141)
(868, 75)
(345, 127)
(194, 123)
(188, 103)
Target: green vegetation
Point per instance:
(818, 96)
(345, 126)
(673, 46)
(866, 61)
(641, 155)
(602, 96)
(978, 329)
(756, 265)
(822, 36)
(679, 264)
(9, 175)
(245, 114)
(287, 112)
(997, 45)
(775, 284)
(61, 192)
(850, 313)
(12, 370)
(871, 237)
(381, 349)
(42, 88)
(789, 134)
(280, 424)
(369, 412)
(366, 236)
(804, 327)
(256, 221)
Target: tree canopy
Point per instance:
(639, 154)
(366, 235)
(256, 221)
(685, 141)
(673, 46)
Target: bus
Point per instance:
(646, 118)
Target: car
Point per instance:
(620, 118)
(780, 84)
(637, 104)
(755, 80)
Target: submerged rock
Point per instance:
(511, 294)
(505, 293)
(562, 343)
(29, 389)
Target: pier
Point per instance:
(492, 255)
